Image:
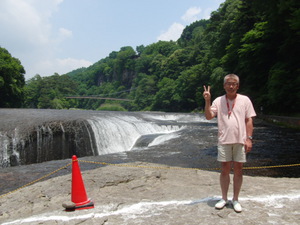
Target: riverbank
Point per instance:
(144, 193)
(285, 121)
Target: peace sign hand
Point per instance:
(206, 93)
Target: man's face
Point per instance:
(231, 86)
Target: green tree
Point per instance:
(50, 92)
(165, 99)
(32, 91)
(258, 40)
(11, 80)
(145, 91)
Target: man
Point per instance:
(235, 126)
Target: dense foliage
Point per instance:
(258, 40)
(11, 80)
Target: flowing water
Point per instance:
(45, 140)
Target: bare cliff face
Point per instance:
(34, 136)
(55, 140)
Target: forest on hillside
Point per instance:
(257, 40)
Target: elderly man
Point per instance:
(235, 125)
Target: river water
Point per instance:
(170, 139)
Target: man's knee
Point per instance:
(226, 168)
(238, 168)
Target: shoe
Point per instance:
(237, 206)
(221, 204)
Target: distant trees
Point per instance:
(258, 40)
(11, 80)
(50, 92)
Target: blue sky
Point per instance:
(58, 36)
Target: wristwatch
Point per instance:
(250, 137)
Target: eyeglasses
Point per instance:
(231, 84)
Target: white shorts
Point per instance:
(231, 152)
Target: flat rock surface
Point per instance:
(144, 193)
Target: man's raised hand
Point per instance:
(206, 93)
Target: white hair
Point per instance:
(233, 76)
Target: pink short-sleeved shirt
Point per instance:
(232, 129)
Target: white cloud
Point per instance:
(191, 14)
(173, 33)
(73, 63)
(175, 30)
(28, 34)
(64, 34)
(27, 20)
(206, 14)
(60, 66)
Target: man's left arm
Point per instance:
(249, 132)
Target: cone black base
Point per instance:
(73, 207)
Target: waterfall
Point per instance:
(9, 145)
(119, 133)
(44, 142)
(4, 156)
(44, 135)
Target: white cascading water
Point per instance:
(4, 142)
(163, 138)
(178, 117)
(8, 146)
(113, 132)
(119, 133)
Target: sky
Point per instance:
(58, 36)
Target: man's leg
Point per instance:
(237, 179)
(225, 179)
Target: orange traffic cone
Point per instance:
(79, 196)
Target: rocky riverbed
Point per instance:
(144, 193)
(149, 189)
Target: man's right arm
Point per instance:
(206, 95)
(208, 113)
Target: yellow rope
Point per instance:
(145, 167)
(140, 166)
(184, 168)
(268, 167)
(26, 185)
